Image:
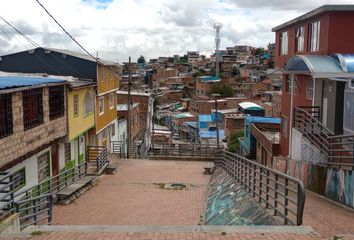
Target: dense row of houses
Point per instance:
(53, 104)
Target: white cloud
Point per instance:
(120, 28)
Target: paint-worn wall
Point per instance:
(340, 186)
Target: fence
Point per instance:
(6, 194)
(282, 194)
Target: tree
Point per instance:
(223, 89)
(233, 145)
(258, 51)
(141, 59)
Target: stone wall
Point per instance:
(21, 143)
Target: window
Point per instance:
(288, 84)
(89, 103)
(284, 122)
(299, 39)
(101, 105)
(314, 36)
(76, 105)
(19, 179)
(32, 108)
(309, 89)
(5, 115)
(284, 43)
(43, 166)
(56, 102)
(111, 101)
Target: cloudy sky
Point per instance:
(116, 29)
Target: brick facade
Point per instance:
(21, 144)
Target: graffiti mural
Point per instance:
(229, 204)
(340, 186)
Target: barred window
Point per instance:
(56, 102)
(43, 166)
(32, 108)
(76, 105)
(19, 179)
(5, 115)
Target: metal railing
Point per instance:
(35, 210)
(6, 194)
(54, 184)
(278, 192)
(338, 149)
(97, 156)
(341, 150)
(184, 150)
(118, 147)
(307, 123)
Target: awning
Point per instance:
(318, 66)
(346, 62)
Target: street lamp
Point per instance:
(216, 96)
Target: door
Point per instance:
(55, 160)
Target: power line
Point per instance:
(72, 38)
(19, 32)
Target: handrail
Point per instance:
(7, 197)
(278, 191)
(35, 210)
(99, 155)
(55, 183)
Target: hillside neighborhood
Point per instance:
(269, 124)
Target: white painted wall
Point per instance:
(61, 153)
(296, 145)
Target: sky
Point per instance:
(117, 29)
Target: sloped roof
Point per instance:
(250, 106)
(16, 81)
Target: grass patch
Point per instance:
(37, 233)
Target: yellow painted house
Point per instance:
(106, 102)
(81, 119)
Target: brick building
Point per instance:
(33, 123)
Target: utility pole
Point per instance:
(217, 27)
(216, 95)
(128, 108)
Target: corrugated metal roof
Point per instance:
(8, 82)
(124, 107)
(211, 134)
(183, 115)
(262, 119)
(205, 118)
(209, 79)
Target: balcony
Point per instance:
(337, 149)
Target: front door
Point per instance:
(55, 160)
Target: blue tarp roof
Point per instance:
(262, 119)
(211, 134)
(7, 82)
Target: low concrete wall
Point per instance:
(10, 225)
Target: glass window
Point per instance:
(314, 36)
(284, 43)
(76, 105)
(43, 166)
(32, 108)
(5, 115)
(299, 39)
(284, 121)
(111, 101)
(19, 179)
(101, 105)
(56, 102)
(309, 89)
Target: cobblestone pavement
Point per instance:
(132, 196)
